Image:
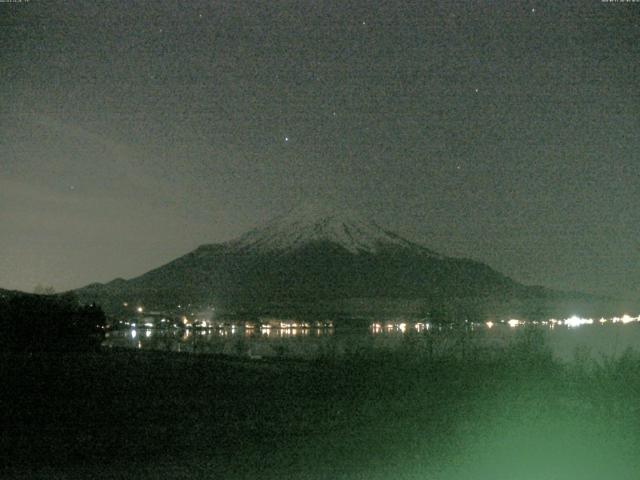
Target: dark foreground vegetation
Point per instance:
(512, 414)
(36, 323)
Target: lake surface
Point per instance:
(595, 340)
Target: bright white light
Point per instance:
(513, 322)
(489, 324)
(134, 334)
(148, 325)
(140, 309)
(627, 319)
(577, 321)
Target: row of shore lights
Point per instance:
(378, 327)
(574, 321)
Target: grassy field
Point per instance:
(513, 414)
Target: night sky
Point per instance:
(505, 131)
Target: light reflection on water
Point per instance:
(564, 338)
(234, 340)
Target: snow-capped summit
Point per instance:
(317, 222)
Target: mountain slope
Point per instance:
(309, 255)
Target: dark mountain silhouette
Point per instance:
(312, 256)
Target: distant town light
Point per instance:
(627, 319)
(576, 321)
(489, 324)
(140, 309)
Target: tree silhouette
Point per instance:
(49, 322)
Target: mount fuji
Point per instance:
(312, 256)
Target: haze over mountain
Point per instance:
(320, 257)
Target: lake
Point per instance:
(565, 339)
